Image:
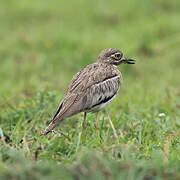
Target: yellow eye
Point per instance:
(117, 56)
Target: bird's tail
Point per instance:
(51, 126)
(62, 113)
(53, 122)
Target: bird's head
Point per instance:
(114, 56)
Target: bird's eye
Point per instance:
(117, 56)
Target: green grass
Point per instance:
(43, 43)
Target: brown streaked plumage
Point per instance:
(92, 88)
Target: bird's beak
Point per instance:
(128, 61)
(125, 61)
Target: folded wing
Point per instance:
(89, 87)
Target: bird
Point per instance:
(92, 88)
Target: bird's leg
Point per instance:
(84, 121)
(97, 120)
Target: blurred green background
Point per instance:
(44, 43)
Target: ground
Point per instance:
(43, 44)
